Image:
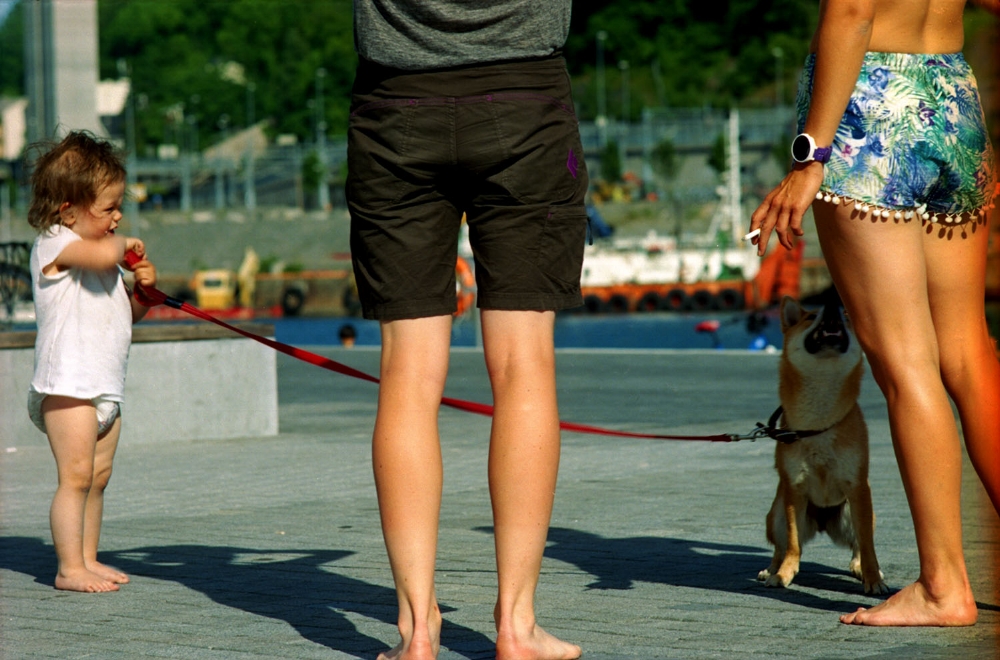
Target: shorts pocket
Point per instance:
(559, 253)
(378, 141)
(539, 140)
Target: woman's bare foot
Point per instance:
(106, 572)
(914, 606)
(413, 651)
(422, 644)
(85, 581)
(537, 645)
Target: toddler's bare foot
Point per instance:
(914, 606)
(537, 645)
(84, 580)
(108, 573)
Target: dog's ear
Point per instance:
(791, 312)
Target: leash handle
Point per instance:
(131, 258)
(147, 297)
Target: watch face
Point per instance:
(801, 149)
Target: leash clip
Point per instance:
(760, 431)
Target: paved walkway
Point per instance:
(271, 548)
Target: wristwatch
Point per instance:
(804, 150)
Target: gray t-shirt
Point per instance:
(436, 34)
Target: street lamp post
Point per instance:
(220, 172)
(623, 127)
(131, 180)
(193, 120)
(602, 101)
(324, 190)
(779, 78)
(249, 190)
(626, 100)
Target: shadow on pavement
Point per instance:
(618, 563)
(299, 587)
(29, 556)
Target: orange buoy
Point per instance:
(465, 286)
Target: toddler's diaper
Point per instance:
(107, 411)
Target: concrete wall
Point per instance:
(185, 382)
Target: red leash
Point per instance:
(151, 297)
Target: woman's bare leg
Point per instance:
(956, 284)
(881, 273)
(524, 463)
(71, 426)
(406, 458)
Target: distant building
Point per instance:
(12, 127)
(110, 99)
(112, 95)
(61, 67)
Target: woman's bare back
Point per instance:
(913, 26)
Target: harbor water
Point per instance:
(720, 330)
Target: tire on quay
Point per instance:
(676, 300)
(702, 300)
(649, 302)
(594, 304)
(292, 301)
(730, 300)
(618, 303)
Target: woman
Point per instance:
(894, 157)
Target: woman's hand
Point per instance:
(782, 210)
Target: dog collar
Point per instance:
(784, 436)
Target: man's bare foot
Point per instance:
(538, 645)
(85, 581)
(106, 572)
(914, 606)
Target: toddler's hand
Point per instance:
(145, 273)
(135, 245)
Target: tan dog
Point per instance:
(823, 469)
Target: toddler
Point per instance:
(84, 314)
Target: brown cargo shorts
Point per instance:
(497, 142)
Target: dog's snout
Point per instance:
(830, 332)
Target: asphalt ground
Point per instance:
(271, 547)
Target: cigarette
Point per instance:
(754, 234)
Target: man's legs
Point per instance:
(523, 466)
(406, 458)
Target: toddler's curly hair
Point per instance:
(75, 170)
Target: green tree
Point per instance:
(198, 56)
(611, 162)
(664, 159)
(710, 52)
(12, 53)
(202, 56)
(718, 158)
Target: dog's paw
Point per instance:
(763, 575)
(777, 581)
(876, 588)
